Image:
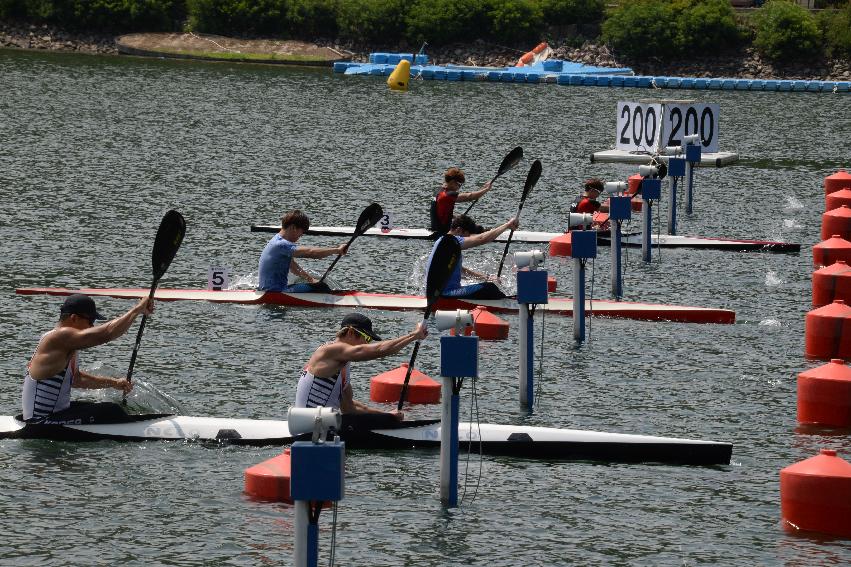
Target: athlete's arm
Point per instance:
(69, 339)
(473, 195)
(380, 349)
(319, 252)
(90, 381)
(478, 239)
(350, 405)
(301, 272)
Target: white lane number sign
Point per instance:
(639, 125)
(218, 278)
(649, 126)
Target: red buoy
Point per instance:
(836, 221)
(488, 326)
(839, 180)
(560, 245)
(827, 332)
(270, 480)
(633, 185)
(831, 283)
(551, 284)
(837, 199)
(387, 387)
(815, 495)
(824, 395)
(831, 250)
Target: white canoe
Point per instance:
(399, 302)
(510, 440)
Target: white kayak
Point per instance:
(539, 237)
(511, 440)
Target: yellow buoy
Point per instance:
(398, 79)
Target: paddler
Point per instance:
(55, 366)
(443, 203)
(588, 201)
(276, 261)
(470, 235)
(326, 380)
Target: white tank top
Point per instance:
(315, 391)
(40, 398)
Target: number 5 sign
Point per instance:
(218, 278)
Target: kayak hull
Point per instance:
(401, 302)
(492, 439)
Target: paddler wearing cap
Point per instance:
(326, 380)
(443, 203)
(469, 235)
(55, 366)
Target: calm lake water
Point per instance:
(95, 149)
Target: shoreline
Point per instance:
(745, 65)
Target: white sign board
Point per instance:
(386, 222)
(650, 126)
(684, 119)
(639, 126)
(218, 278)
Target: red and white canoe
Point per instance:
(539, 237)
(398, 302)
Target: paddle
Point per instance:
(508, 163)
(443, 262)
(367, 219)
(168, 239)
(531, 178)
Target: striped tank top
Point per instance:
(315, 391)
(40, 398)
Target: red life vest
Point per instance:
(442, 207)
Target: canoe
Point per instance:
(510, 440)
(399, 302)
(539, 237)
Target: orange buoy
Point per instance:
(387, 387)
(839, 180)
(832, 282)
(824, 395)
(633, 185)
(827, 332)
(831, 250)
(528, 58)
(836, 221)
(815, 495)
(551, 284)
(560, 245)
(488, 326)
(837, 199)
(270, 480)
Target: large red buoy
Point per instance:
(488, 326)
(824, 395)
(827, 332)
(836, 221)
(831, 250)
(837, 199)
(387, 387)
(832, 282)
(815, 495)
(270, 480)
(839, 180)
(560, 245)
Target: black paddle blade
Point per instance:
(368, 218)
(531, 179)
(443, 262)
(168, 240)
(510, 161)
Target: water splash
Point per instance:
(772, 279)
(248, 281)
(143, 398)
(791, 224)
(793, 203)
(770, 323)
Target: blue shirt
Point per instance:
(454, 281)
(275, 264)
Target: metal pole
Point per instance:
(300, 528)
(690, 188)
(526, 375)
(617, 279)
(672, 208)
(449, 444)
(646, 230)
(578, 300)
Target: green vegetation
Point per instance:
(785, 31)
(664, 29)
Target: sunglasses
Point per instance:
(366, 337)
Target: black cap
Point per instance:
(359, 322)
(79, 304)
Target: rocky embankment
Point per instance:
(745, 64)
